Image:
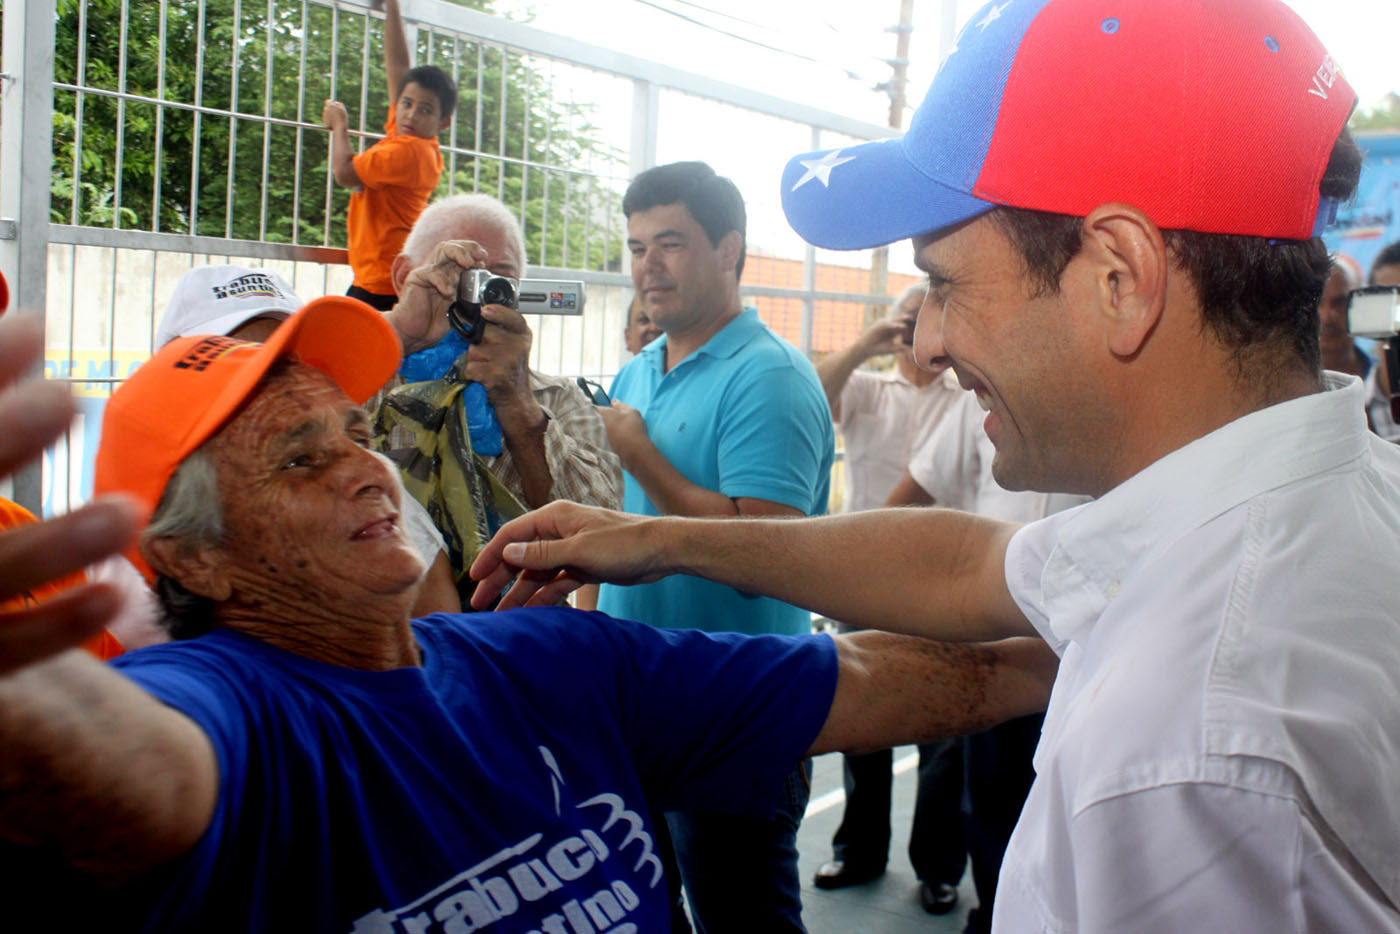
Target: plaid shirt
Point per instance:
(581, 463)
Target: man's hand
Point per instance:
(334, 115)
(888, 335)
(32, 414)
(627, 430)
(420, 316)
(555, 550)
(501, 362)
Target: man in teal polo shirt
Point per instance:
(720, 417)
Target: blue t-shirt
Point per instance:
(502, 787)
(744, 415)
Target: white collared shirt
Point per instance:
(884, 417)
(1222, 746)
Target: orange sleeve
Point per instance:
(103, 645)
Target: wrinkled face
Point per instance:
(502, 257)
(1020, 353)
(1333, 336)
(311, 514)
(682, 280)
(418, 112)
(640, 330)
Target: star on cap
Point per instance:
(993, 13)
(820, 169)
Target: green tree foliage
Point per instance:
(267, 178)
(1385, 116)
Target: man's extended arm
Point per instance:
(90, 766)
(892, 690)
(933, 572)
(95, 768)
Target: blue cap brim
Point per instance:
(869, 195)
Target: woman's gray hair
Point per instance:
(191, 513)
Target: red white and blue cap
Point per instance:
(1216, 116)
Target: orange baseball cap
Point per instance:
(185, 393)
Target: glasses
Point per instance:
(594, 391)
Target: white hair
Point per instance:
(450, 218)
(919, 288)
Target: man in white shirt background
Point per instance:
(883, 418)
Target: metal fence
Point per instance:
(139, 139)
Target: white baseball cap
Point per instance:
(217, 299)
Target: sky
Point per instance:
(850, 39)
(831, 54)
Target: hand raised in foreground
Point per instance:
(557, 549)
(32, 414)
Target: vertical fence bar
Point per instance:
(269, 32)
(301, 118)
(525, 141)
(501, 137)
(364, 83)
(232, 121)
(476, 143)
(548, 163)
(26, 151)
(197, 133)
(160, 119)
(121, 118)
(79, 98)
(453, 145)
(335, 84)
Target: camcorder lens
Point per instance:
(498, 291)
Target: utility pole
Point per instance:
(880, 260)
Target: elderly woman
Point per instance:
(317, 761)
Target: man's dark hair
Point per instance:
(1388, 256)
(436, 80)
(1256, 294)
(713, 200)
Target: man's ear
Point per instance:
(729, 246)
(198, 570)
(399, 272)
(1128, 261)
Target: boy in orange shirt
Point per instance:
(394, 178)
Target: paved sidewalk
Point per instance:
(889, 904)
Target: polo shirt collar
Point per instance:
(729, 341)
(1105, 542)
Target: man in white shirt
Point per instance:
(1118, 208)
(884, 417)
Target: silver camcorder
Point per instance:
(477, 287)
(1374, 312)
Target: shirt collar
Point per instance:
(1106, 541)
(729, 341)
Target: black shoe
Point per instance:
(838, 874)
(937, 898)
